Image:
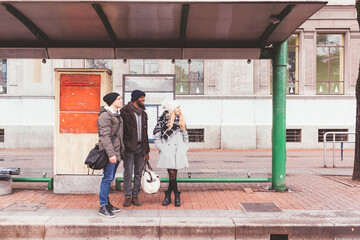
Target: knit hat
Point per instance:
(136, 94)
(110, 98)
(170, 106)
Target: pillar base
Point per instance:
(5, 187)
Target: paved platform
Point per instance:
(315, 207)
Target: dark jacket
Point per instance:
(130, 130)
(107, 125)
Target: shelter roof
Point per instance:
(159, 29)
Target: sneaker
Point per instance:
(112, 208)
(136, 201)
(106, 212)
(127, 202)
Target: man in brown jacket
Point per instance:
(109, 121)
(136, 145)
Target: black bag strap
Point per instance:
(116, 133)
(146, 168)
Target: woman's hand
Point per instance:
(112, 159)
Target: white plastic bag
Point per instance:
(150, 181)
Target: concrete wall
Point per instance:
(246, 122)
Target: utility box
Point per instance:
(78, 96)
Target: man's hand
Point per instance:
(147, 157)
(112, 159)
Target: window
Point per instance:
(293, 135)
(2, 135)
(3, 76)
(196, 135)
(292, 69)
(99, 63)
(338, 137)
(189, 77)
(330, 64)
(144, 66)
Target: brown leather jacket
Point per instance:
(130, 130)
(107, 125)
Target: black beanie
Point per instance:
(110, 98)
(136, 94)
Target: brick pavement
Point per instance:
(309, 189)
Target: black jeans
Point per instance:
(133, 159)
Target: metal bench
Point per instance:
(5, 179)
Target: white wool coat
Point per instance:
(172, 152)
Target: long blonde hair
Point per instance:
(181, 121)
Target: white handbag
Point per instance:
(150, 181)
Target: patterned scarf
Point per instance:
(162, 126)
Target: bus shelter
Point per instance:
(162, 29)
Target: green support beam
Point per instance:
(279, 118)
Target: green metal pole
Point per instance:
(279, 118)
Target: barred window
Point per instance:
(2, 135)
(293, 135)
(144, 66)
(330, 64)
(338, 137)
(189, 77)
(3, 76)
(196, 135)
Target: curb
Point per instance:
(247, 227)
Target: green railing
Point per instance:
(35, 179)
(209, 180)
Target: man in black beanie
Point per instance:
(110, 129)
(136, 145)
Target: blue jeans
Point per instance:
(109, 175)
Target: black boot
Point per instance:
(167, 199)
(177, 199)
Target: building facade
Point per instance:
(227, 103)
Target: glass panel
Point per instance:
(137, 66)
(151, 66)
(99, 63)
(292, 40)
(149, 83)
(334, 64)
(197, 70)
(196, 88)
(322, 88)
(290, 70)
(3, 76)
(330, 40)
(337, 88)
(182, 88)
(152, 98)
(182, 70)
(322, 64)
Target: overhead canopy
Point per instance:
(148, 29)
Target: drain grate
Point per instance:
(260, 207)
(24, 206)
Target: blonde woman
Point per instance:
(171, 139)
